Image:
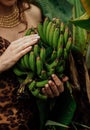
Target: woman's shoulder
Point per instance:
(34, 12)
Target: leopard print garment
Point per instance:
(14, 114)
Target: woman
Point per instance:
(15, 17)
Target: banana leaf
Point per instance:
(86, 5)
(82, 21)
(79, 33)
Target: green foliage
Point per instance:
(82, 21)
(56, 8)
(86, 5)
(79, 34)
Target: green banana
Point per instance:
(66, 34)
(59, 52)
(39, 65)
(36, 50)
(55, 38)
(32, 61)
(60, 69)
(35, 92)
(22, 63)
(40, 31)
(43, 74)
(47, 31)
(52, 29)
(53, 56)
(61, 62)
(54, 20)
(43, 54)
(26, 60)
(69, 44)
(19, 72)
(50, 72)
(52, 65)
(60, 41)
(58, 22)
(62, 27)
(41, 96)
(41, 84)
(19, 65)
(65, 54)
(32, 85)
(45, 23)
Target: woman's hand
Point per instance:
(16, 50)
(54, 86)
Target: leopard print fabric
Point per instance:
(15, 114)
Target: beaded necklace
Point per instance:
(11, 20)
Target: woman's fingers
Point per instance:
(58, 83)
(64, 79)
(23, 39)
(26, 45)
(47, 91)
(23, 52)
(30, 39)
(50, 89)
(26, 42)
(53, 88)
(44, 91)
(23, 46)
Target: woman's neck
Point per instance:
(4, 11)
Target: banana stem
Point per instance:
(23, 84)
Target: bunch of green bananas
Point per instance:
(47, 57)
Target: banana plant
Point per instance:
(79, 34)
(84, 20)
(86, 5)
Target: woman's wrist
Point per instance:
(2, 66)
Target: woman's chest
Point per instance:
(11, 34)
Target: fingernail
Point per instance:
(53, 75)
(46, 85)
(49, 81)
(37, 36)
(30, 47)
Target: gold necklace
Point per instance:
(11, 20)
